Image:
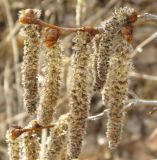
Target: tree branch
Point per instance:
(143, 76)
(26, 17)
(130, 104)
(148, 17)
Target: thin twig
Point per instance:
(43, 143)
(98, 116)
(148, 17)
(7, 91)
(139, 48)
(11, 34)
(91, 20)
(143, 76)
(14, 47)
(16, 131)
(17, 117)
(80, 12)
(143, 102)
(26, 18)
(130, 104)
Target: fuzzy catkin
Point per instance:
(30, 66)
(13, 147)
(115, 90)
(30, 146)
(111, 28)
(79, 95)
(98, 83)
(50, 85)
(57, 140)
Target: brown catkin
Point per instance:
(98, 83)
(111, 28)
(30, 65)
(79, 94)
(115, 90)
(57, 140)
(30, 146)
(13, 146)
(50, 85)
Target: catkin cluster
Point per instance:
(115, 90)
(51, 84)
(57, 141)
(30, 65)
(106, 46)
(111, 65)
(79, 94)
(13, 147)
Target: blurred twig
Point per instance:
(98, 116)
(136, 102)
(15, 118)
(130, 104)
(139, 48)
(7, 92)
(11, 34)
(14, 47)
(80, 11)
(148, 17)
(43, 143)
(91, 20)
(143, 76)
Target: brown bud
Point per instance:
(50, 36)
(29, 16)
(133, 17)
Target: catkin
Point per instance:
(30, 146)
(79, 94)
(114, 93)
(13, 147)
(111, 28)
(30, 65)
(98, 83)
(57, 140)
(51, 84)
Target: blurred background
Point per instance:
(140, 132)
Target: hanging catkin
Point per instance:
(30, 64)
(111, 28)
(98, 83)
(13, 147)
(58, 139)
(30, 146)
(115, 90)
(79, 94)
(51, 84)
